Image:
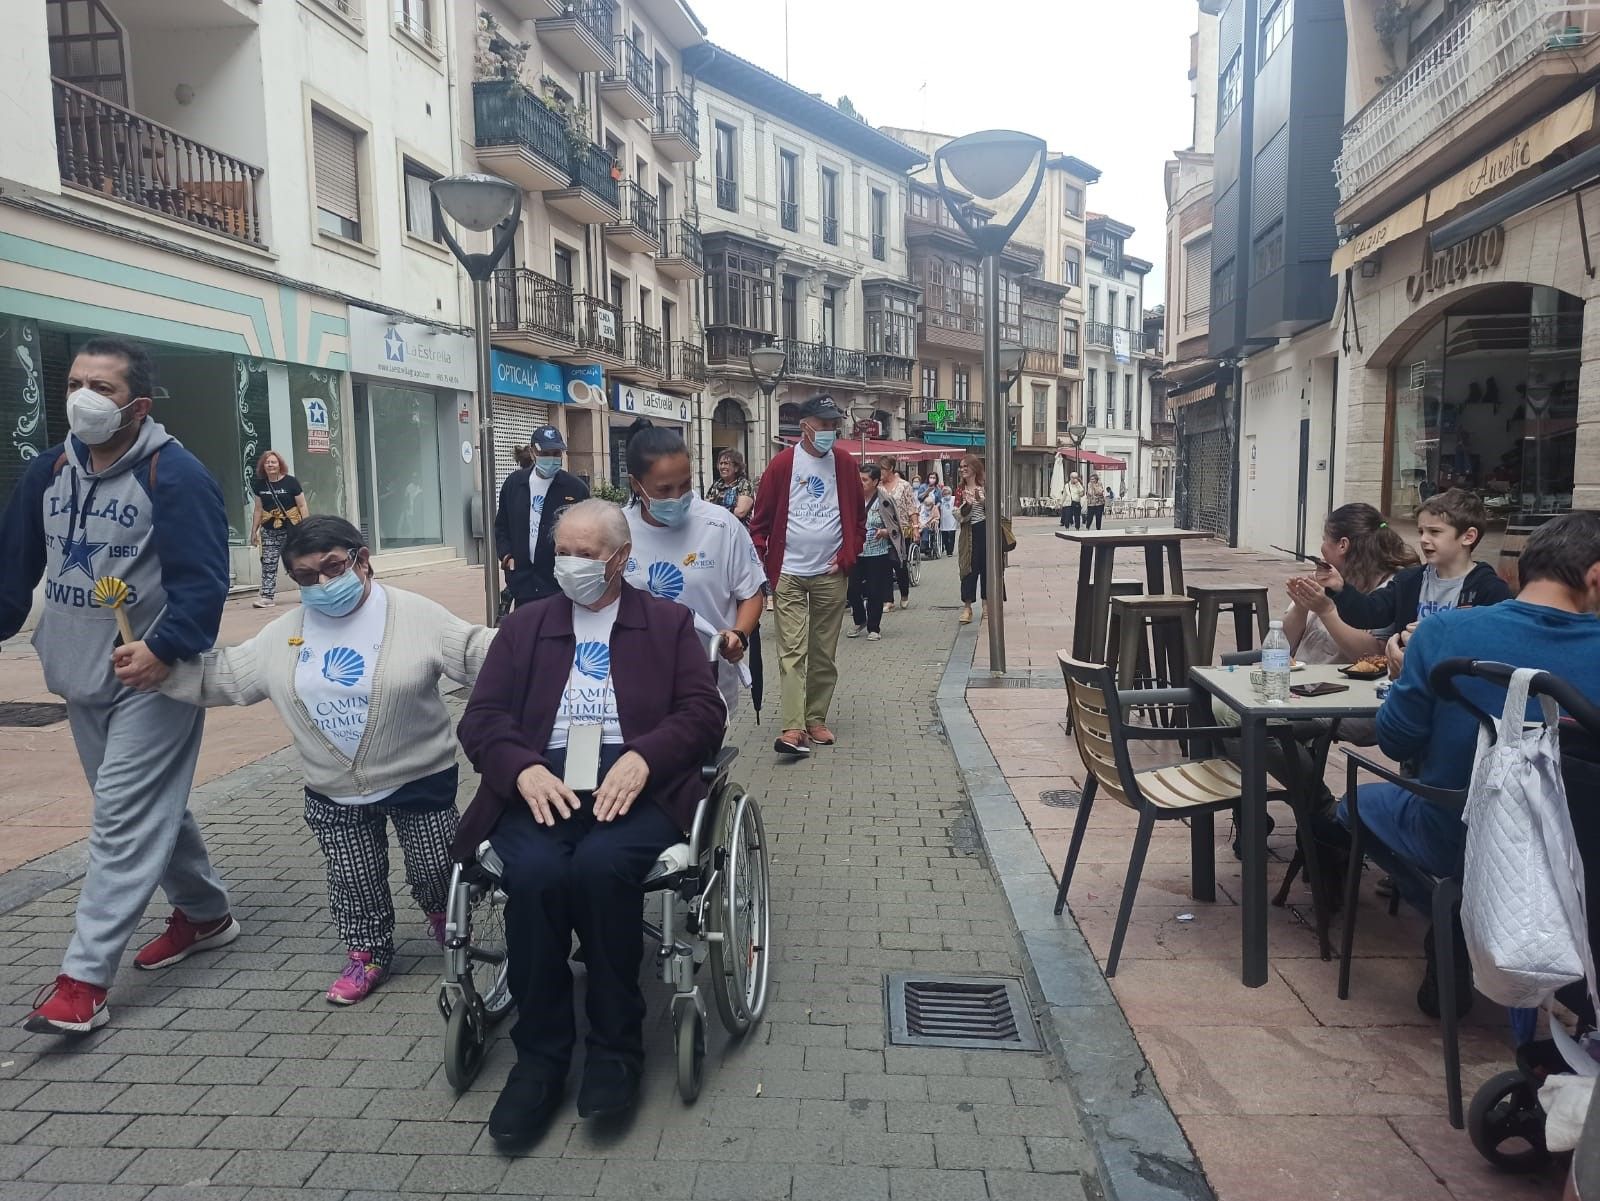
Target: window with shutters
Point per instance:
(419, 201)
(336, 165)
(1196, 281)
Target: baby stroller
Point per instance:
(1505, 1119)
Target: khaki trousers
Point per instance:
(810, 613)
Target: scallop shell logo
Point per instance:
(815, 486)
(593, 659)
(343, 666)
(665, 581)
(538, 504)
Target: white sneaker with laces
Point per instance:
(874, 637)
(855, 632)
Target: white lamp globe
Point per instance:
(990, 163)
(475, 202)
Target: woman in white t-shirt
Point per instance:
(354, 673)
(693, 552)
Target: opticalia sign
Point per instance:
(408, 351)
(641, 402)
(535, 379)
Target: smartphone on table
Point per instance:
(1320, 688)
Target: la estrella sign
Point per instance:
(642, 402)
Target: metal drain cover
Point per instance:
(1061, 798)
(969, 1012)
(32, 713)
(998, 682)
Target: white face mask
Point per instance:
(582, 580)
(94, 418)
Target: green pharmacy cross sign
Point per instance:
(940, 415)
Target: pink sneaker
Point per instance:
(436, 927)
(360, 977)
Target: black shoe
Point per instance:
(609, 1087)
(526, 1105)
(1238, 836)
(1428, 993)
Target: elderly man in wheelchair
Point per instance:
(590, 724)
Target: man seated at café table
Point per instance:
(592, 716)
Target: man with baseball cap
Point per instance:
(808, 526)
(531, 500)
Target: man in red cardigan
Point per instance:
(808, 526)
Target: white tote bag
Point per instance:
(1522, 906)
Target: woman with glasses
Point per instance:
(280, 506)
(354, 673)
(732, 488)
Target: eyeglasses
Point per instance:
(328, 569)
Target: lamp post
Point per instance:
(481, 203)
(988, 165)
(1011, 357)
(861, 414)
(767, 364)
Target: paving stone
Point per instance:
(383, 1173)
(920, 1184)
(282, 1169)
(824, 1182)
(742, 1182)
(165, 1165)
(164, 1130)
(81, 1165)
(1033, 1186)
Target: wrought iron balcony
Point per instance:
(888, 370)
(676, 132)
(788, 211)
(1070, 360)
(817, 360)
(1488, 44)
(727, 194)
(637, 228)
(880, 247)
(941, 415)
(519, 137)
(1101, 333)
(592, 195)
(681, 256)
(599, 324)
(642, 349)
(627, 86)
(686, 363)
(112, 151)
(582, 34)
(830, 230)
(730, 345)
(528, 305)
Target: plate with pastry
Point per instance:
(1370, 668)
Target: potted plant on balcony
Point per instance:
(616, 170)
(496, 55)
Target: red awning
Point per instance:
(1092, 458)
(915, 452)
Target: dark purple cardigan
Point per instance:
(667, 701)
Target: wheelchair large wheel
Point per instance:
(466, 1039)
(689, 1036)
(486, 959)
(914, 564)
(1506, 1124)
(739, 914)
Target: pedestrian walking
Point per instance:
(872, 579)
(692, 551)
(928, 524)
(531, 499)
(732, 488)
(807, 527)
(123, 499)
(897, 489)
(1094, 500)
(372, 758)
(1072, 511)
(280, 505)
(973, 557)
(949, 523)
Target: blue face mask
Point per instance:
(547, 468)
(824, 440)
(339, 597)
(670, 513)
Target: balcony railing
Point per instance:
(525, 302)
(727, 194)
(1040, 361)
(113, 151)
(1070, 360)
(591, 170)
(686, 362)
(633, 64)
(682, 240)
(597, 16)
(507, 114)
(880, 247)
(641, 346)
(1489, 42)
(830, 230)
(788, 212)
(817, 360)
(888, 369)
(639, 209)
(1100, 333)
(599, 324)
(731, 345)
(675, 117)
(939, 414)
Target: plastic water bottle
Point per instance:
(1275, 664)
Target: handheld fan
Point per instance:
(112, 593)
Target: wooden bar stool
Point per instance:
(1213, 599)
(1152, 638)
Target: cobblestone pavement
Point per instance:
(229, 1077)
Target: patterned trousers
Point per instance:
(354, 840)
(271, 555)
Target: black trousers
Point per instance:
(1094, 516)
(1072, 515)
(585, 877)
(902, 577)
(871, 584)
(947, 539)
(976, 582)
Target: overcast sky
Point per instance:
(1105, 82)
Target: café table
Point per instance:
(1232, 687)
(1097, 550)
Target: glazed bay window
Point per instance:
(891, 319)
(336, 166)
(738, 289)
(1040, 339)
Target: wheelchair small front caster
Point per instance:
(466, 1036)
(1506, 1124)
(689, 1032)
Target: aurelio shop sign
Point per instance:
(1459, 263)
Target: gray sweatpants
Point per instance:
(139, 752)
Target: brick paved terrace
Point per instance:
(1283, 1091)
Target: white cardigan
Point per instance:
(408, 734)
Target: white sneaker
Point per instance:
(263, 602)
(874, 637)
(889, 608)
(904, 605)
(856, 632)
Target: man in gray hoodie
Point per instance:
(122, 498)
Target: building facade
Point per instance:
(802, 209)
(587, 107)
(292, 292)
(1117, 360)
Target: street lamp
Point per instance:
(861, 414)
(989, 165)
(481, 203)
(767, 364)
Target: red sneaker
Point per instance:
(72, 1007)
(183, 938)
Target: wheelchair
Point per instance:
(914, 563)
(714, 913)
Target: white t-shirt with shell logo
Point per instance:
(333, 675)
(815, 536)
